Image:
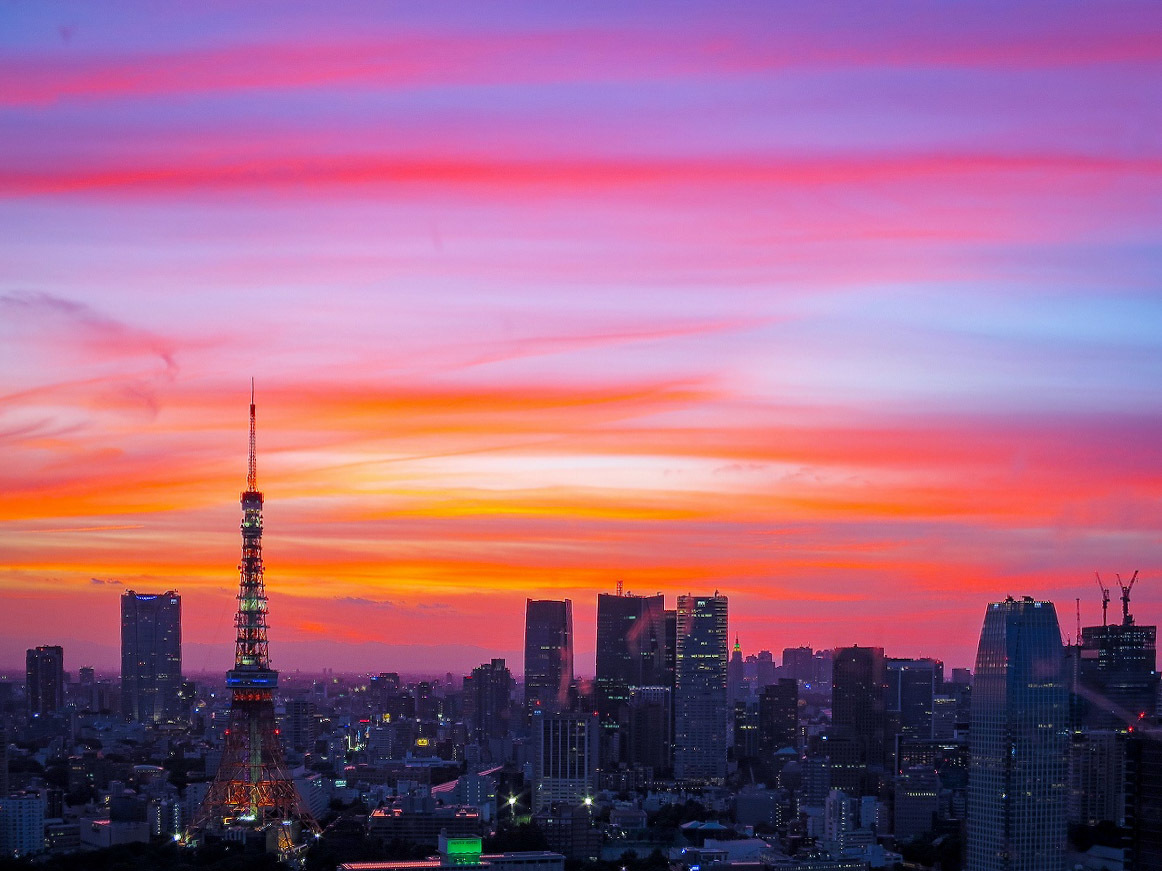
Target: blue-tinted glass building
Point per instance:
(1018, 740)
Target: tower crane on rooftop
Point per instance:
(1105, 598)
(1127, 620)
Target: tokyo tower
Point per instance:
(252, 791)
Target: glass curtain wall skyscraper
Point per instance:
(631, 649)
(1018, 738)
(548, 655)
(151, 656)
(700, 698)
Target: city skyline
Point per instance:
(853, 319)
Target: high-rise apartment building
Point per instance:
(565, 765)
(45, 679)
(21, 824)
(1018, 740)
(631, 649)
(548, 655)
(700, 698)
(151, 656)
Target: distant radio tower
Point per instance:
(252, 790)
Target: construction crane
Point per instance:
(1127, 620)
(1105, 598)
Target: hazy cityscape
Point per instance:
(682, 750)
(678, 435)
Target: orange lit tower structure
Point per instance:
(252, 790)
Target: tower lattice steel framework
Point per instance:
(252, 790)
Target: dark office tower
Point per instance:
(798, 663)
(487, 700)
(670, 617)
(3, 761)
(299, 724)
(765, 669)
(1018, 739)
(45, 684)
(87, 688)
(778, 717)
(912, 685)
(1119, 685)
(252, 790)
(151, 656)
(1144, 797)
(649, 742)
(736, 673)
(700, 700)
(631, 649)
(548, 655)
(856, 737)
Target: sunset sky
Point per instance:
(852, 312)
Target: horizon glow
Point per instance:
(853, 316)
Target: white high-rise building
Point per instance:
(1018, 786)
(565, 767)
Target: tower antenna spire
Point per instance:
(252, 465)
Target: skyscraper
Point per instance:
(912, 686)
(548, 655)
(565, 766)
(1018, 738)
(631, 649)
(151, 656)
(700, 699)
(488, 700)
(45, 679)
(736, 674)
(778, 717)
(856, 737)
(252, 789)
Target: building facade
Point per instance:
(856, 739)
(45, 679)
(548, 655)
(151, 656)
(1018, 742)
(700, 696)
(631, 649)
(565, 765)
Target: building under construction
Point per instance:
(1118, 683)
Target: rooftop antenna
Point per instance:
(1127, 620)
(619, 588)
(1105, 598)
(1077, 636)
(251, 465)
